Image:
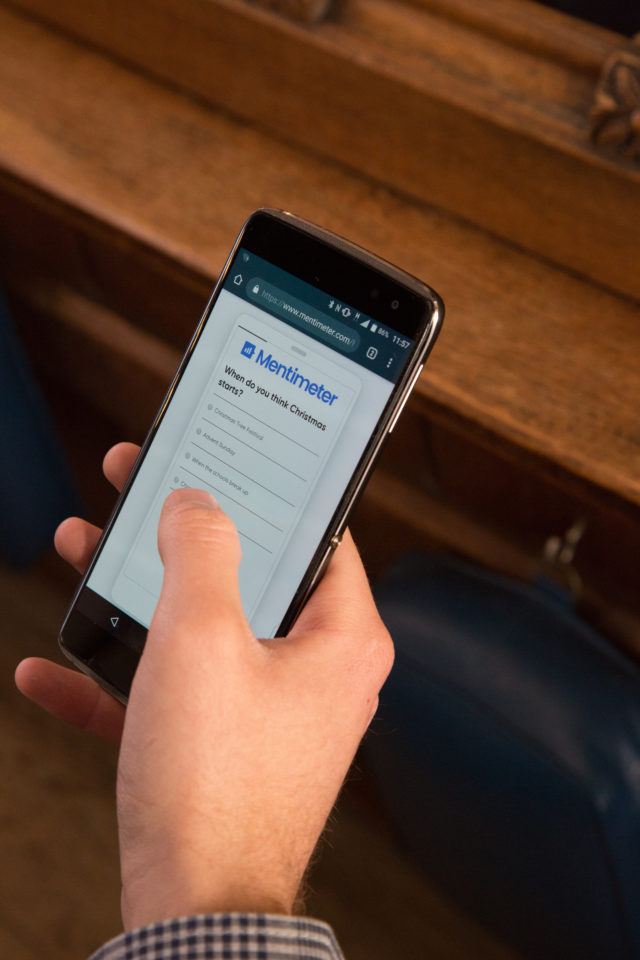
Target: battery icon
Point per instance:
(373, 327)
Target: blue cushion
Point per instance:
(507, 752)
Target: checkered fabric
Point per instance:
(226, 936)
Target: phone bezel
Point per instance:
(328, 262)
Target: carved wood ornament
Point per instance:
(615, 115)
(306, 11)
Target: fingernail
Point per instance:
(200, 498)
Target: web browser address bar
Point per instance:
(301, 315)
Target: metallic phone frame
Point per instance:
(399, 395)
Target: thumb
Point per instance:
(201, 553)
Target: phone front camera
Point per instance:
(395, 304)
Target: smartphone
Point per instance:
(295, 375)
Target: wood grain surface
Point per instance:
(489, 123)
(539, 362)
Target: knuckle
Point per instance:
(385, 653)
(377, 654)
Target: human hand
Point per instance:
(233, 749)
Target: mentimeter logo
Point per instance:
(249, 349)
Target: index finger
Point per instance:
(340, 624)
(342, 601)
(118, 462)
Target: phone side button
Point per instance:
(406, 397)
(324, 563)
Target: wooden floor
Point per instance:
(59, 886)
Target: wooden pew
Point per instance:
(471, 147)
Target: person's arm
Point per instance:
(233, 749)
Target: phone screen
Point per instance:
(272, 414)
(303, 359)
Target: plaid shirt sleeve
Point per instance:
(226, 936)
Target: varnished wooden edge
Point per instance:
(371, 112)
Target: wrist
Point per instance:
(148, 901)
